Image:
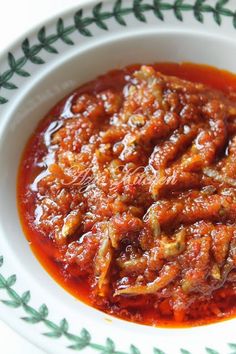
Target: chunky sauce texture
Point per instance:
(127, 194)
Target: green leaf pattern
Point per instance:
(31, 53)
(76, 342)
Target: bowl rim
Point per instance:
(3, 53)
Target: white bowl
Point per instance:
(179, 36)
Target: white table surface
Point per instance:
(16, 17)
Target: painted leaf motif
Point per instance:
(139, 8)
(64, 326)
(11, 61)
(138, 11)
(13, 294)
(2, 101)
(97, 8)
(34, 50)
(158, 13)
(37, 60)
(20, 62)
(22, 73)
(110, 345)
(118, 13)
(85, 335)
(101, 24)
(178, 14)
(232, 346)
(198, 15)
(42, 34)
(211, 351)
(31, 320)
(184, 351)
(11, 303)
(67, 40)
(31, 311)
(25, 47)
(6, 76)
(43, 310)
(99, 17)
(221, 3)
(134, 350)
(52, 325)
(53, 334)
(217, 9)
(60, 26)
(50, 49)
(78, 346)
(217, 18)
(9, 86)
(165, 6)
(85, 32)
(25, 298)
(158, 351)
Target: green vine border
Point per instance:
(76, 341)
(99, 17)
(31, 54)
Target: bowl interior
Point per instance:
(52, 84)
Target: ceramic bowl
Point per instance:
(38, 70)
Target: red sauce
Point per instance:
(159, 251)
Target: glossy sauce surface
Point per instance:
(123, 200)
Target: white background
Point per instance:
(16, 17)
